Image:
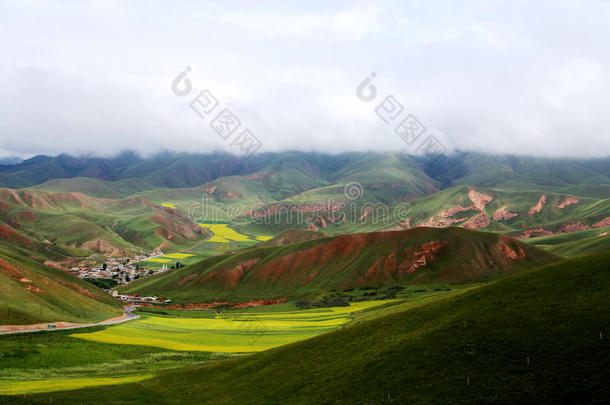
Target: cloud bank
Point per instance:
(94, 77)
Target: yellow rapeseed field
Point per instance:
(8, 387)
(224, 234)
(228, 333)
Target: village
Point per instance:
(122, 270)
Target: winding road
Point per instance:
(128, 315)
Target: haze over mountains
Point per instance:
(174, 170)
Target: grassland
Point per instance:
(540, 336)
(574, 244)
(49, 361)
(31, 292)
(63, 360)
(229, 333)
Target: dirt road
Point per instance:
(38, 327)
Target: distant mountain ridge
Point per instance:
(178, 170)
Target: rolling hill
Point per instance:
(519, 213)
(417, 256)
(58, 226)
(31, 292)
(540, 336)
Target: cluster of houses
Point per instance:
(122, 270)
(136, 299)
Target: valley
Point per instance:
(312, 272)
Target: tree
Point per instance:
(103, 282)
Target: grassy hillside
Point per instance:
(540, 336)
(32, 293)
(293, 236)
(507, 211)
(314, 267)
(509, 171)
(574, 244)
(46, 223)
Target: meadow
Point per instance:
(229, 333)
(157, 342)
(50, 361)
(539, 336)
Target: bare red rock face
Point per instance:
(573, 227)
(449, 212)
(311, 227)
(514, 254)
(426, 253)
(441, 222)
(444, 218)
(539, 205)
(503, 214)
(479, 199)
(602, 224)
(528, 233)
(477, 222)
(33, 288)
(568, 201)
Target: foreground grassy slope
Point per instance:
(31, 292)
(538, 336)
(416, 256)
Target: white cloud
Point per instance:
(94, 76)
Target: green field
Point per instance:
(171, 339)
(50, 361)
(540, 336)
(229, 333)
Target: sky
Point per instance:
(97, 77)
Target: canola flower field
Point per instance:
(224, 234)
(210, 337)
(229, 333)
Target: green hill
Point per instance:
(76, 224)
(417, 256)
(574, 244)
(519, 213)
(540, 336)
(31, 292)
